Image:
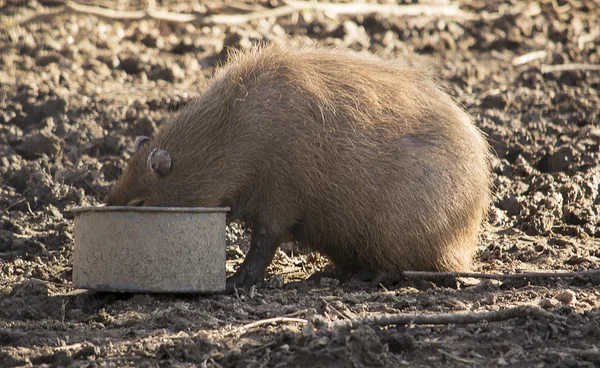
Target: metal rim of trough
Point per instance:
(149, 209)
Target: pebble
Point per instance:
(549, 304)
(566, 297)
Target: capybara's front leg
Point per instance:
(252, 271)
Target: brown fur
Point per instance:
(364, 160)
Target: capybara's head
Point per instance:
(142, 182)
(138, 184)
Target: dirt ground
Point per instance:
(76, 90)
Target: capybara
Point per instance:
(366, 161)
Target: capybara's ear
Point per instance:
(140, 141)
(159, 161)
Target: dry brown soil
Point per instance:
(75, 91)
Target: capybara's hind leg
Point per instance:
(263, 245)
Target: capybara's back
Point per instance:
(364, 160)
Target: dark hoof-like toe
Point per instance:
(240, 281)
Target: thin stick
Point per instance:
(114, 359)
(235, 19)
(29, 208)
(51, 282)
(568, 67)
(385, 319)
(68, 347)
(370, 8)
(339, 314)
(259, 348)
(249, 326)
(297, 313)
(500, 276)
(456, 357)
(529, 57)
(103, 360)
(14, 204)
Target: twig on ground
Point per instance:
(93, 362)
(29, 208)
(68, 347)
(335, 9)
(456, 357)
(529, 57)
(4, 283)
(264, 346)
(114, 359)
(52, 283)
(385, 319)
(290, 7)
(240, 7)
(63, 311)
(500, 276)
(249, 326)
(14, 204)
(568, 67)
(297, 313)
(337, 312)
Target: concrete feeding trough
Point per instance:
(150, 249)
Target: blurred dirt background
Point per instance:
(76, 89)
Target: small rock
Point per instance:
(566, 297)
(549, 304)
